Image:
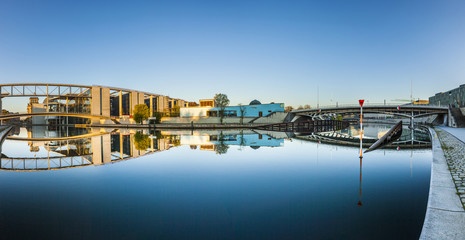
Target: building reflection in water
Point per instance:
(112, 145)
(219, 141)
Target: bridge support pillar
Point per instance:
(151, 106)
(162, 103)
(135, 98)
(100, 103)
(101, 149)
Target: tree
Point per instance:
(300, 107)
(242, 111)
(221, 101)
(221, 146)
(141, 113)
(307, 106)
(288, 108)
(158, 116)
(141, 141)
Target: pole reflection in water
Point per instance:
(360, 186)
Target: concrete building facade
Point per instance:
(254, 109)
(98, 103)
(454, 97)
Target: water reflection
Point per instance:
(351, 136)
(66, 147)
(51, 149)
(268, 185)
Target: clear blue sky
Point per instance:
(269, 50)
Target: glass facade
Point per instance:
(114, 105)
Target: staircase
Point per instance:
(457, 116)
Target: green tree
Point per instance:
(141, 113)
(221, 101)
(158, 116)
(141, 141)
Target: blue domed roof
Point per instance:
(255, 102)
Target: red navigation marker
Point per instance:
(361, 102)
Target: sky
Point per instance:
(296, 52)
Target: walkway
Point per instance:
(457, 132)
(445, 215)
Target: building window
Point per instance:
(230, 113)
(212, 113)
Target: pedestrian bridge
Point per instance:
(408, 111)
(19, 115)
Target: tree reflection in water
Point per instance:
(141, 141)
(221, 146)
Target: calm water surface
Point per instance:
(209, 185)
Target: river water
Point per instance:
(120, 184)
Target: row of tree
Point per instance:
(290, 108)
(142, 112)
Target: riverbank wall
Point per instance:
(445, 215)
(175, 126)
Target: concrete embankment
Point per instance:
(176, 126)
(445, 215)
(201, 122)
(276, 117)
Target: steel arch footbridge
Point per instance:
(411, 111)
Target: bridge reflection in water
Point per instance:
(103, 148)
(63, 147)
(411, 138)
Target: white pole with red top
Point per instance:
(361, 125)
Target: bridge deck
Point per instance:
(9, 116)
(393, 108)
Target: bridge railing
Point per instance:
(368, 104)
